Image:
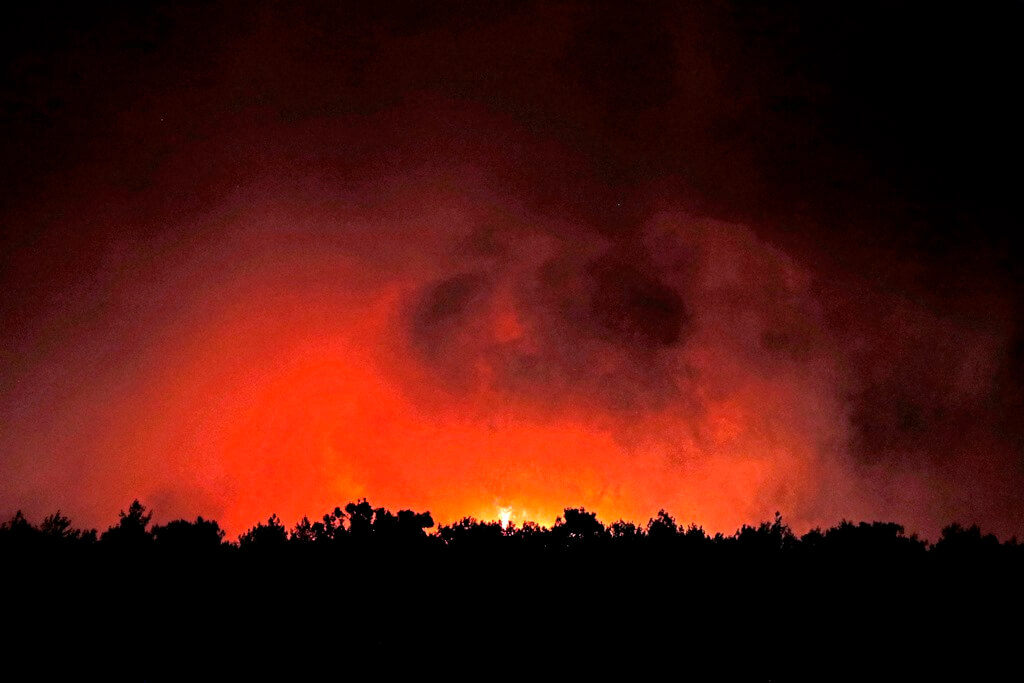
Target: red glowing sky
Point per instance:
(470, 263)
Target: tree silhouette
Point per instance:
(768, 539)
(864, 542)
(331, 527)
(470, 533)
(361, 528)
(360, 518)
(184, 536)
(130, 531)
(623, 531)
(412, 525)
(58, 526)
(663, 528)
(961, 543)
(18, 532)
(56, 530)
(269, 536)
(577, 526)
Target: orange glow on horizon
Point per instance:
(291, 382)
(324, 425)
(490, 264)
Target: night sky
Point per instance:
(496, 259)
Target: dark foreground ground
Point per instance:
(365, 594)
(493, 616)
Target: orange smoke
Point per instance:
(465, 262)
(278, 370)
(286, 383)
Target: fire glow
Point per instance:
(490, 265)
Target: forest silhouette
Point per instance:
(363, 589)
(360, 527)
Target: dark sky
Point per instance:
(725, 257)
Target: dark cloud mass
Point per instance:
(443, 308)
(725, 258)
(634, 308)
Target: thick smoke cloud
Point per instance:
(718, 259)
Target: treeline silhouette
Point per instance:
(361, 527)
(363, 590)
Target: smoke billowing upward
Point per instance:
(717, 259)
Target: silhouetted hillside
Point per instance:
(365, 589)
